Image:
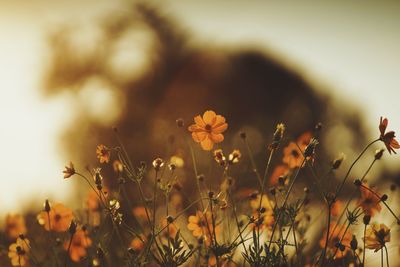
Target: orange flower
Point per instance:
(69, 170)
(18, 252)
(60, 218)
(336, 208)
(208, 129)
(336, 233)
(376, 236)
(137, 244)
(77, 248)
(292, 156)
(369, 202)
(268, 215)
(280, 170)
(140, 213)
(15, 225)
(92, 201)
(171, 230)
(388, 138)
(201, 226)
(103, 153)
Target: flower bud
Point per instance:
(158, 163)
(353, 243)
(72, 227)
(47, 206)
(180, 122)
(379, 153)
(366, 219)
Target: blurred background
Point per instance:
(70, 70)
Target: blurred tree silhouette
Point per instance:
(251, 89)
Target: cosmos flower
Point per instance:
(207, 130)
(77, 249)
(376, 236)
(18, 252)
(103, 153)
(388, 137)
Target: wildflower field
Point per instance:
(268, 222)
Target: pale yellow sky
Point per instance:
(352, 50)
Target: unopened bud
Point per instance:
(47, 206)
(379, 153)
(72, 227)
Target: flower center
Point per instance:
(295, 153)
(57, 217)
(208, 128)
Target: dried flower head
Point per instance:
(158, 163)
(388, 138)
(103, 153)
(18, 252)
(69, 170)
(219, 157)
(207, 130)
(234, 156)
(278, 135)
(376, 236)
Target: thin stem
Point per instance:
(387, 256)
(338, 191)
(365, 229)
(327, 235)
(284, 204)
(68, 250)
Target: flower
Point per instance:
(376, 236)
(58, 219)
(208, 129)
(103, 153)
(219, 157)
(388, 138)
(118, 167)
(177, 161)
(201, 226)
(369, 202)
(78, 245)
(69, 170)
(158, 163)
(15, 225)
(337, 232)
(279, 171)
(140, 213)
(292, 156)
(137, 243)
(170, 229)
(267, 214)
(234, 157)
(18, 252)
(336, 208)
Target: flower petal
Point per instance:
(199, 121)
(207, 144)
(209, 117)
(219, 128)
(199, 136)
(217, 138)
(195, 128)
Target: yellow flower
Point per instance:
(103, 153)
(18, 252)
(207, 130)
(201, 226)
(376, 236)
(60, 218)
(15, 225)
(77, 249)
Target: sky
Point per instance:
(349, 49)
